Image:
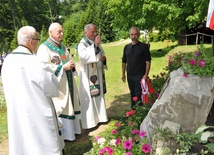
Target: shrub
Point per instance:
(198, 63)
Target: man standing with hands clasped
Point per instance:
(55, 55)
(136, 61)
(92, 86)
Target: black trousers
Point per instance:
(135, 88)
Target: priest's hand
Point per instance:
(102, 58)
(69, 65)
(97, 41)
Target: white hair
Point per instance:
(53, 26)
(25, 33)
(89, 26)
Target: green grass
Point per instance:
(3, 124)
(117, 96)
(3, 116)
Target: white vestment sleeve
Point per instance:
(50, 86)
(87, 54)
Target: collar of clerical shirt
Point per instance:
(54, 43)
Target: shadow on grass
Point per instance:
(157, 53)
(81, 145)
(84, 142)
(118, 106)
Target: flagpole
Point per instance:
(210, 21)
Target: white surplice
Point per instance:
(63, 103)
(32, 123)
(93, 109)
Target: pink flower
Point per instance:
(114, 131)
(142, 134)
(98, 137)
(135, 98)
(110, 150)
(135, 131)
(170, 58)
(196, 54)
(192, 62)
(185, 75)
(118, 141)
(117, 124)
(128, 114)
(103, 150)
(133, 112)
(128, 153)
(127, 145)
(146, 148)
(202, 63)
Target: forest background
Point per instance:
(113, 18)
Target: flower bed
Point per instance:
(123, 136)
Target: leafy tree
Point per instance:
(127, 13)
(39, 12)
(14, 42)
(171, 15)
(70, 30)
(43, 34)
(113, 18)
(6, 25)
(74, 24)
(175, 15)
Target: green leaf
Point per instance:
(202, 128)
(206, 135)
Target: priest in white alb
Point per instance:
(92, 84)
(29, 86)
(67, 105)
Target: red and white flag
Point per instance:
(210, 15)
(146, 89)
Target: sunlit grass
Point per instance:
(3, 116)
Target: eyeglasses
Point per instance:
(36, 39)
